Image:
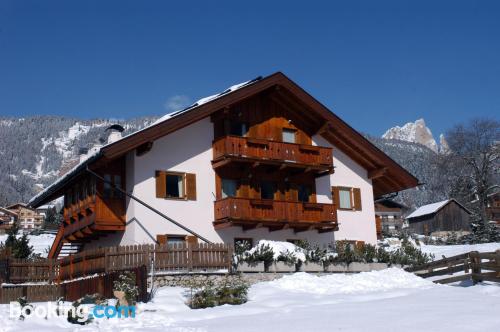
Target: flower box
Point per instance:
(282, 267)
(250, 267)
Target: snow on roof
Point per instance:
(428, 209)
(164, 118)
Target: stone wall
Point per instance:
(184, 280)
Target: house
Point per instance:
(445, 216)
(389, 217)
(28, 218)
(7, 220)
(260, 160)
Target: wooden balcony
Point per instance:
(275, 215)
(245, 149)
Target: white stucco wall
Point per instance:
(353, 225)
(190, 150)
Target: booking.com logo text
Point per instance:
(82, 313)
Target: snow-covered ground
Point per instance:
(453, 250)
(389, 300)
(39, 242)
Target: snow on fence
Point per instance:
(475, 266)
(73, 290)
(165, 258)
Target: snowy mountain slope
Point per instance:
(33, 150)
(416, 132)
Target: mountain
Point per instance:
(417, 132)
(34, 151)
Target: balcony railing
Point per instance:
(247, 209)
(260, 149)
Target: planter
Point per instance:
(311, 267)
(250, 267)
(358, 267)
(281, 267)
(377, 266)
(339, 268)
(120, 295)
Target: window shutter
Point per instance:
(191, 186)
(191, 240)
(161, 238)
(161, 184)
(336, 196)
(356, 192)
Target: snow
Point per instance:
(453, 250)
(280, 247)
(39, 242)
(416, 132)
(427, 209)
(389, 300)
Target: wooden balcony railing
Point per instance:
(260, 149)
(247, 209)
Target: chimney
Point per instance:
(115, 133)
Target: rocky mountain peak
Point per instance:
(417, 132)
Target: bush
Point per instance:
(262, 253)
(287, 257)
(126, 283)
(208, 294)
(87, 299)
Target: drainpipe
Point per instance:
(148, 206)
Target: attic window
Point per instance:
(289, 135)
(237, 128)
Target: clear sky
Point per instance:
(374, 63)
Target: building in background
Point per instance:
(493, 209)
(389, 216)
(440, 218)
(28, 219)
(7, 220)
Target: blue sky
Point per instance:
(374, 63)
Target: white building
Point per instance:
(261, 160)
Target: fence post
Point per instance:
(190, 257)
(106, 260)
(476, 268)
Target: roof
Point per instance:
(7, 211)
(390, 203)
(433, 208)
(388, 176)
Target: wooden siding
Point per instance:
(452, 217)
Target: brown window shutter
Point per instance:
(356, 192)
(161, 238)
(335, 196)
(191, 240)
(161, 184)
(191, 186)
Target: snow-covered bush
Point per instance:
(206, 294)
(86, 300)
(126, 284)
(25, 305)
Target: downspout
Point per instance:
(147, 206)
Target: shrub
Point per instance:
(126, 283)
(262, 253)
(23, 302)
(87, 299)
(209, 294)
(287, 257)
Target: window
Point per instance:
(108, 191)
(176, 239)
(175, 185)
(345, 199)
(229, 188)
(289, 135)
(304, 193)
(237, 128)
(267, 189)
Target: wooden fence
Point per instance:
(73, 290)
(165, 258)
(475, 266)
